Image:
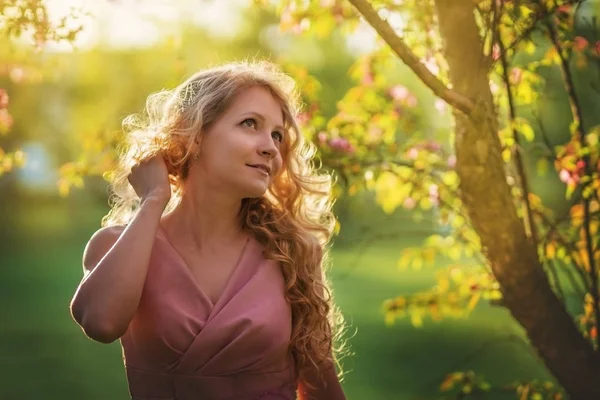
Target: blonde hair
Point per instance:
(293, 219)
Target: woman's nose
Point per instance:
(267, 147)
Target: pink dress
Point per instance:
(181, 346)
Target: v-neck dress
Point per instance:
(179, 345)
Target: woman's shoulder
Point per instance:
(99, 244)
(106, 234)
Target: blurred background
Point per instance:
(67, 101)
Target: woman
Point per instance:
(209, 265)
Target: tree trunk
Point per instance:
(487, 197)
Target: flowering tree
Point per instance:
(26, 19)
(467, 53)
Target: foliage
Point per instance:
(373, 145)
(28, 19)
(376, 141)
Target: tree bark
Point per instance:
(487, 197)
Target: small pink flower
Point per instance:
(335, 143)
(564, 9)
(452, 161)
(16, 74)
(564, 175)
(515, 75)
(432, 145)
(367, 79)
(322, 137)
(399, 92)
(440, 105)
(580, 43)
(3, 98)
(409, 203)
(494, 87)
(432, 65)
(413, 153)
(341, 144)
(434, 194)
(495, 52)
(411, 101)
(303, 118)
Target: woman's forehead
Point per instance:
(260, 102)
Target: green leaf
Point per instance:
(522, 127)
(542, 166)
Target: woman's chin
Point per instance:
(254, 191)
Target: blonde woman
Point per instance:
(209, 265)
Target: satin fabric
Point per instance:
(181, 346)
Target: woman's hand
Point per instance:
(150, 179)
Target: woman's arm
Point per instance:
(116, 259)
(115, 263)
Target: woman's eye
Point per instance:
(277, 136)
(250, 123)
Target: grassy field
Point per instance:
(46, 356)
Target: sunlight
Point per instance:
(129, 23)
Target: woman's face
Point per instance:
(241, 151)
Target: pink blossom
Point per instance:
(399, 92)
(564, 175)
(432, 65)
(495, 52)
(411, 101)
(341, 144)
(16, 74)
(515, 75)
(440, 105)
(367, 79)
(494, 87)
(409, 203)
(303, 118)
(452, 161)
(322, 137)
(3, 98)
(580, 43)
(564, 9)
(432, 145)
(413, 153)
(434, 194)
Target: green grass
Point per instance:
(45, 355)
(404, 362)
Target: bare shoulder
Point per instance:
(99, 244)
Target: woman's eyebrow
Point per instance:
(263, 119)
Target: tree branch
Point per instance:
(527, 217)
(387, 33)
(580, 130)
(545, 137)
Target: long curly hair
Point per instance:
(293, 219)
